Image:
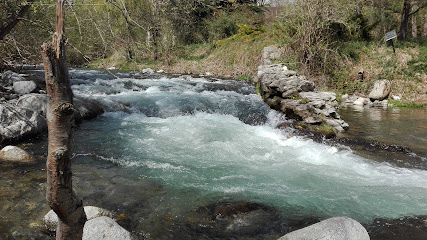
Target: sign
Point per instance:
(390, 35)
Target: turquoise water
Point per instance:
(219, 139)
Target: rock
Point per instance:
(16, 122)
(105, 228)
(147, 71)
(381, 90)
(344, 97)
(160, 71)
(319, 96)
(15, 154)
(337, 228)
(360, 101)
(86, 108)
(313, 120)
(396, 98)
(51, 219)
(25, 87)
(269, 54)
(9, 77)
(35, 102)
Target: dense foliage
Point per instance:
(318, 37)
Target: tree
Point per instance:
(406, 13)
(13, 15)
(60, 117)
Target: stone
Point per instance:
(360, 101)
(9, 77)
(86, 108)
(16, 122)
(344, 97)
(15, 154)
(147, 71)
(337, 228)
(25, 87)
(396, 98)
(269, 54)
(319, 96)
(381, 90)
(51, 219)
(313, 120)
(35, 102)
(105, 228)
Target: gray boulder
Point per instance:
(269, 54)
(35, 102)
(25, 87)
(381, 90)
(86, 108)
(16, 122)
(9, 77)
(15, 154)
(105, 228)
(337, 228)
(51, 219)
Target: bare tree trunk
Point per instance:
(404, 20)
(60, 117)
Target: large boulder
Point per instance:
(9, 77)
(337, 228)
(16, 122)
(25, 87)
(381, 90)
(15, 154)
(105, 228)
(35, 102)
(51, 219)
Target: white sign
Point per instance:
(390, 35)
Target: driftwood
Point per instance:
(60, 117)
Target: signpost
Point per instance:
(388, 37)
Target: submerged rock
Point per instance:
(15, 154)
(105, 228)
(337, 228)
(228, 220)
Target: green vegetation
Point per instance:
(328, 41)
(407, 104)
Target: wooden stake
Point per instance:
(60, 117)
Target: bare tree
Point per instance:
(13, 17)
(60, 116)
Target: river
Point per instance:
(172, 148)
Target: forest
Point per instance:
(330, 40)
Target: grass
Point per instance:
(407, 104)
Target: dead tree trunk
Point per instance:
(60, 117)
